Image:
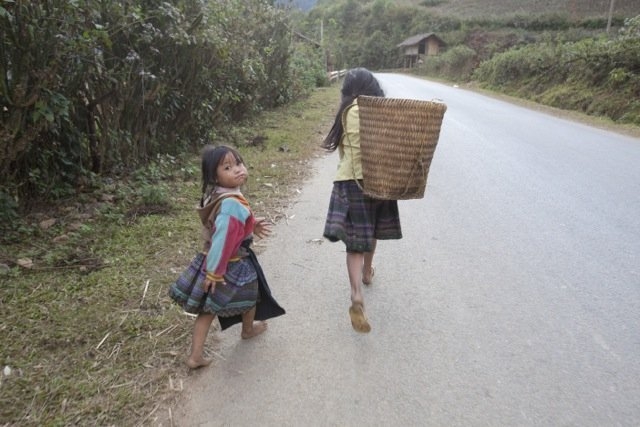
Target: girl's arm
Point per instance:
(229, 231)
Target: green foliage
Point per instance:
(159, 169)
(431, 3)
(520, 64)
(525, 51)
(150, 188)
(551, 22)
(350, 26)
(307, 69)
(631, 29)
(103, 87)
(153, 194)
(376, 51)
(457, 63)
(589, 70)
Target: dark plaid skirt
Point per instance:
(357, 219)
(228, 302)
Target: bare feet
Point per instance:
(367, 276)
(257, 328)
(197, 362)
(359, 319)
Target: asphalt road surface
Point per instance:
(513, 298)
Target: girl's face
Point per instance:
(231, 173)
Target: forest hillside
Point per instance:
(571, 54)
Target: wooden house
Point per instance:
(416, 48)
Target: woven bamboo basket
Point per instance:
(398, 138)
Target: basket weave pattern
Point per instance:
(398, 138)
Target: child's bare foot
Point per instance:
(359, 319)
(257, 328)
(197, 362)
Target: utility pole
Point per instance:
(611, 5)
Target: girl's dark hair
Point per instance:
(358, 81)
(212, 156)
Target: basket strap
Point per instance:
(346, 135)
(413, 171)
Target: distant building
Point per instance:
(416, 48)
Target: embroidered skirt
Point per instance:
(357, 219)
(239, 294)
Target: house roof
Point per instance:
(413, 40)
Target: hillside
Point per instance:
(572, 8)
(491, 8)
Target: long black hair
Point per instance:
(358, 81)
(212, 156)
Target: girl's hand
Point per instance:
(210, 285)
(262, 228)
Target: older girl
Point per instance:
(354, 218)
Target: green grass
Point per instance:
(89, 336)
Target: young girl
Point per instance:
(225, 279)
(354, 218)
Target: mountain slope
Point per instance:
(490, 8)
(572, 8)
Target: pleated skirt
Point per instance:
(357, 219)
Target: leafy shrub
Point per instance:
(307, 69)
(456, 63)
(153, 195)
(579, 75)
(513, 66)
(103, 87)
(431, 3)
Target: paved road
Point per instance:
(513, 299)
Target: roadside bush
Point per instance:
(553, 22)
(307, 70)
(510, 68)
(94, 87)
(457, 63)
(595, 75)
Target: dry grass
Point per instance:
(89, 336)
